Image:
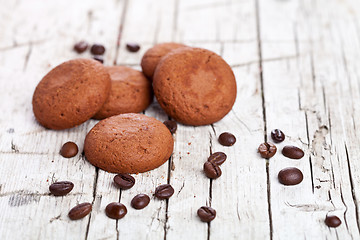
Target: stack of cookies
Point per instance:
(194, 86)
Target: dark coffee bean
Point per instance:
(277, 135)
(97, 49)
(290, 176)
(227, 139)
(80, 211)
(69, 149)
(98, 58)
(140, 201)
(218, 158)
(212, 170)
(171, 125)
(332, 221)
(132, 47)
(81, 47)
(267, 150)
(292, 152)
(61, 188)
(206, 214)
(124, 181)
(115, 210)
(164, 191)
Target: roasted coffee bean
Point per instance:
(218, 158)
(267, 150)
(277, 135)
(81, 47)
(140, 201)
(212, 170)
(61, 188)
(290, 176)
(69, 149)
(227, 139)
(332, 221)
(292, 152)
(206, 214)
(98, 58)
(115, 210)
(171, 125)
(80, 211)
(132, 47)
(124, 181)
(97, 49)
(164, 191)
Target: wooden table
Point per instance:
(297, 68)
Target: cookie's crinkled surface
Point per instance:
(194, 86)
(128, 143)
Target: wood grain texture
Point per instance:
(296, 64)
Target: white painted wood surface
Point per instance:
(297, 68)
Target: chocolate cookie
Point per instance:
(131, 92)
(128, 143)
(153, 56)
(71, 93)
(194, 86)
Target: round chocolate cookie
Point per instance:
(131, 92)
(194, 86)
(128, 143)
(153, 56)
(71, 93)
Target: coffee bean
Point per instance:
(290, 176)
(212, 170)
(97, 49)
(292, 152)
(227, 139)
(81, 47)
(132, 47)
(80, 211)
(69, 149)
(267, 150)
(277, 135)
(140, 201)
(171, 125)
(61, 188)
(164, 191)
(124, 181)
(332, 221)
(206, 214)
(98, 58)
(115, 210)
(218, 158)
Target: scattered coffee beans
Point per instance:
(164, 191)
(292, 152)
(267, 150)
(217, 158)
(277, 135)
(227, 139)
(212, 170)
(332, 221)
(290, 176)
(140, 201)
(115, 210)
(206, 214)
(132, 47)
(69, 149)
(98, 58)
(81, 47)
(97, 49)
(80, 211)
(124, 181)
(171, 125)
(61, 188)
